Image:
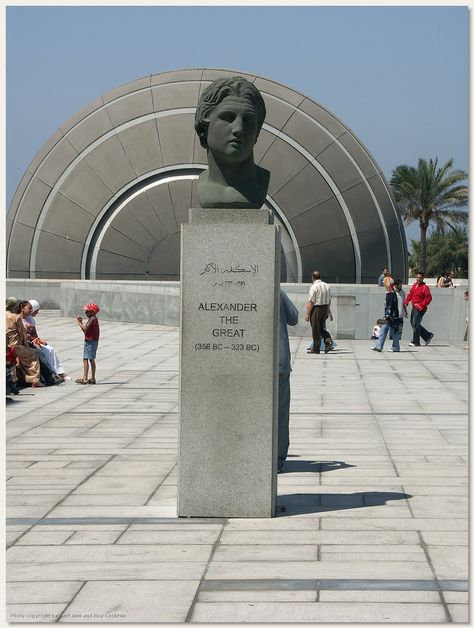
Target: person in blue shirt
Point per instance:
(382, 277)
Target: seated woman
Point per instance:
(27, 358)
(11, 304)
(24, 310)
(445, 280)
(46, 349)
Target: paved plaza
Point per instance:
(372, 507)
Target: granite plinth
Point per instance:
(233, 216)
(228, 364)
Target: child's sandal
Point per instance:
(81, 381)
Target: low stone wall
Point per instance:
(355, 307)
(45, 291)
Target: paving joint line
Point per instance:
(382, 413)
(334, 584)
(58, 619)
(117, 520)
(424, 547)
(161, 484)
(60, 502)
(325, 584)
(204, 573)
(374, 416)
(69, 537)
(44, 423)
(407, 501)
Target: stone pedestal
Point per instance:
(228, 364)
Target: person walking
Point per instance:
(420, 297)
(395, 310)
(317, 309)
(288, 316)
(327, 343)
(402, 308)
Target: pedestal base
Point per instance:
(228, 364)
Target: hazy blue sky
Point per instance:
(396, 76)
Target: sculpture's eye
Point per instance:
(228, 116)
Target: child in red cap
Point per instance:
(91, 341)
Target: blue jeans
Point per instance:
(396, 333)
(418, 330)
(90, 349)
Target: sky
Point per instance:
(396, 76)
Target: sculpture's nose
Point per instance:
(237, 126)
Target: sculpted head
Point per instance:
(229, 117)
(236, 89)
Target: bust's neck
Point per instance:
(231, 174)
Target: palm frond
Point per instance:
(431, 194)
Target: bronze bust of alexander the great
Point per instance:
(229, 116)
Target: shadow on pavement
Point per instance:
(314, 466)
(301, 503)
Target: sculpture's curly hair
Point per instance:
(215, 93)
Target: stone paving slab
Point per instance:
(34, 613)
(125, 570)
(42, 592)
(127, 601)
(372, 509)
(321, 612)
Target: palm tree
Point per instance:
(444, 252)
(430, 194)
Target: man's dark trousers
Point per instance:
(318, 316)
(418, 330)
(283, 417)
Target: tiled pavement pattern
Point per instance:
(372, 521)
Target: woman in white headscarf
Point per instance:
(46, 349)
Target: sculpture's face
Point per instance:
(232, 130)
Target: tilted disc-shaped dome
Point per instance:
(106, 195)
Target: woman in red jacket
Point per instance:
(420, 297)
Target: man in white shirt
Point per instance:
(317, 308)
